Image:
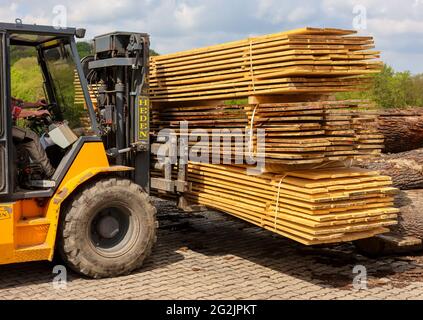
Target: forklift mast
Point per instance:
(119, 69)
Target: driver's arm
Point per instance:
(29, 105)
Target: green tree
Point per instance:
(153, 53)
(418, 89)
(84, 48)
(396, 89)
(391, 89)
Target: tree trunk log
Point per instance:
(404, 237)
(406, 169)
(410, 222)
(403, 130)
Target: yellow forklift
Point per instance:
(95, 209)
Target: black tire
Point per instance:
(108, 229)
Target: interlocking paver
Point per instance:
(219, 257)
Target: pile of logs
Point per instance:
(403, 161)
(406, 168)
(306, 61)
(402, 129)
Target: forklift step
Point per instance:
(32, 232)
(32, 253)
(42, 246)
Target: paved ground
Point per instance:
(213, 256)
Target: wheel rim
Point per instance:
(110, 230)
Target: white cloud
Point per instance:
(98, 11)
(300, 14)
(405, 60)
(8, 10)
(391, 27)
(278, 12)
(188, 16)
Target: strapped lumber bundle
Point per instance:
(311, 207)
(308, 60)
(200, 117)
(294, 133)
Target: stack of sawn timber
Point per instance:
(311, 207)
(79, 98)
(307, 193)
(295, 133)
(308, 60)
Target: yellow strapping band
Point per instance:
(277, 199)
(251, 133)
(251, 65)
(347, 164)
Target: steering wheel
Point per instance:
(52, 108)
(49, 107)
(40, 123)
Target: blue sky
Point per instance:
(184, 24)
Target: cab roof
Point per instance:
(33, 35)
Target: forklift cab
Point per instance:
(59, 64)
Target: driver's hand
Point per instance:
(37, 114)
(41, 103)
(41, 113)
